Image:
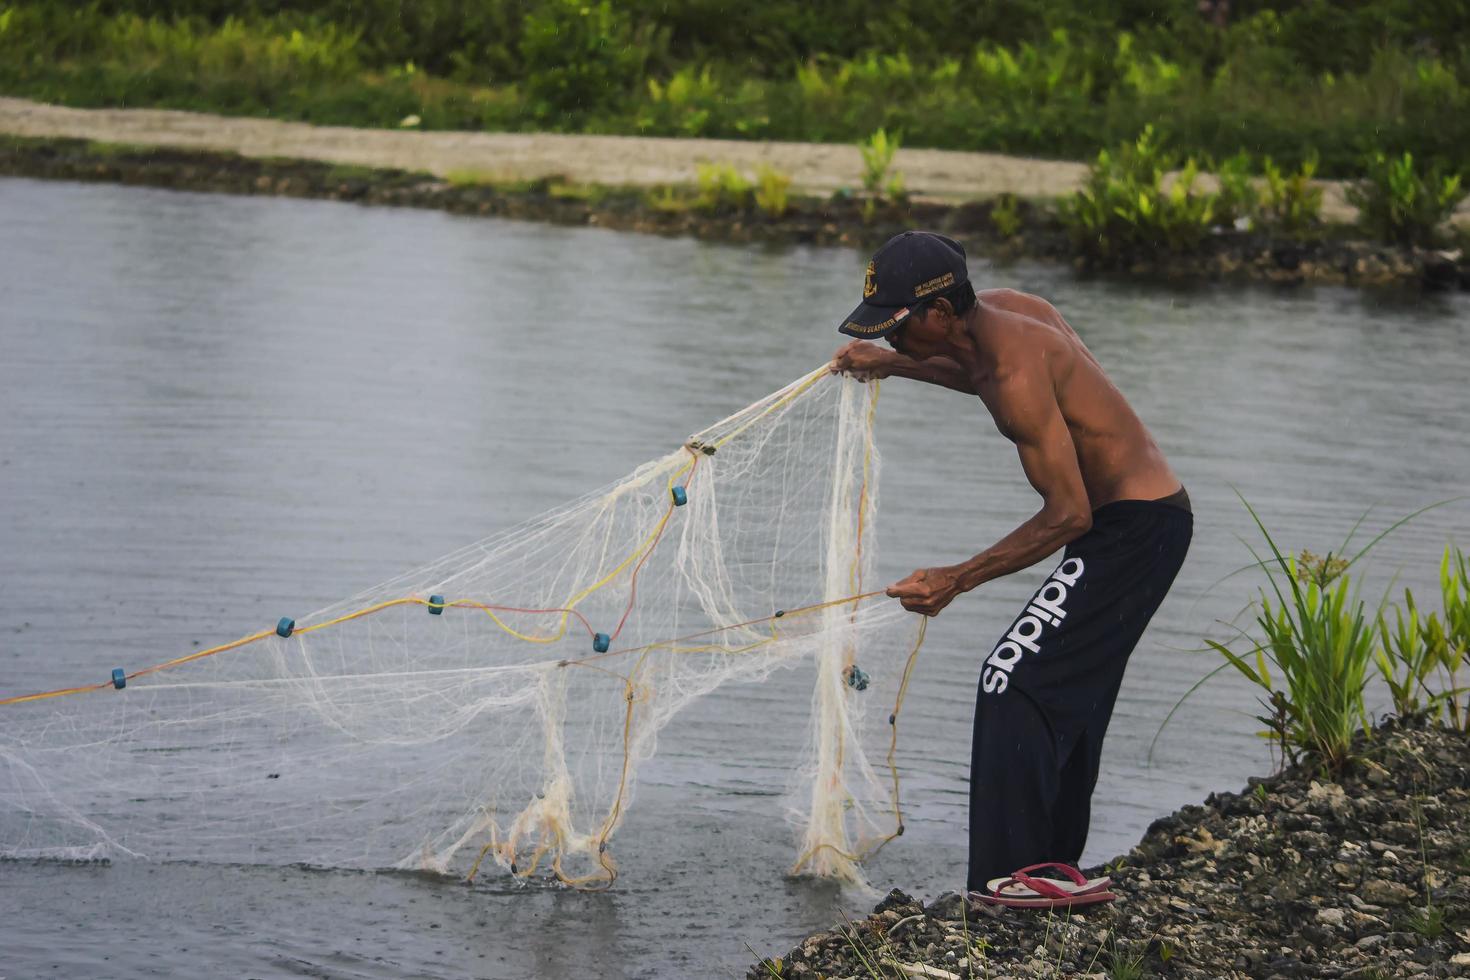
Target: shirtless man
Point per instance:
(1047, 688)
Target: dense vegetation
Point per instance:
(1288, 79)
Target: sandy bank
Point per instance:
(613, 160)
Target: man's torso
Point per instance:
(1117, 456)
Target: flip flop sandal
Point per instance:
(1021, 885)
(1065, 901)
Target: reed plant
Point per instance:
(772, 189)
(722, 188)
(1452, 643)
(1237, 202)
(1401, 200)
(1291, 202)
(1406, 659)
(1005, 215)
(878, 151)
(1320, 642)
(1126, 208)
(1316, 647)
(667, 198)
(1317, 640)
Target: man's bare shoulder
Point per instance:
(1023, 304)
(1033, 325)
(1024, 330)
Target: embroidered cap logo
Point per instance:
(870, 284)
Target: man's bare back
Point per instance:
(1116, 455)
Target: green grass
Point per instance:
(98, 148)
(1122, 964)
(350, 171)
(1061, 79)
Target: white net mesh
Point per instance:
(497, 703)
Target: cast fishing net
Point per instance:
(496, 705)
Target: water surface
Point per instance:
(217, 409)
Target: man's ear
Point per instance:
(944, 306)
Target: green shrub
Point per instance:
(699, 101)
(1125, 209)
(1291, 204)
(721, 188)
(1005, 215)
(667, 199)
(878, 152)
(771, 190)
(586, 57)
(1237, 201)
(1401, 202)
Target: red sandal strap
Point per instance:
(1066, 869)
(1040, 886)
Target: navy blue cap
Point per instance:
(908, 269)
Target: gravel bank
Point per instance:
(1364, 878)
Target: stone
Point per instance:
(1382, 892)
(950, 905)
(1335, 918)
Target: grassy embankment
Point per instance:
(1286, 79)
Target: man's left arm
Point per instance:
(1026, 412)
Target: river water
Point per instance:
(216, 408)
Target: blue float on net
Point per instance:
(857, 677)
(119, 678)
(436, 605)
(600, 642)
(681, 497)
(286, 626)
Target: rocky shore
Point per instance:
(1363, 878)
(841, 219)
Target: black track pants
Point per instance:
(1047, 689)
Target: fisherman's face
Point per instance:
(923, 336)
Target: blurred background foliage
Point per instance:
(1294, 80)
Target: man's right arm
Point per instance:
(934, 370)
(867, 360)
